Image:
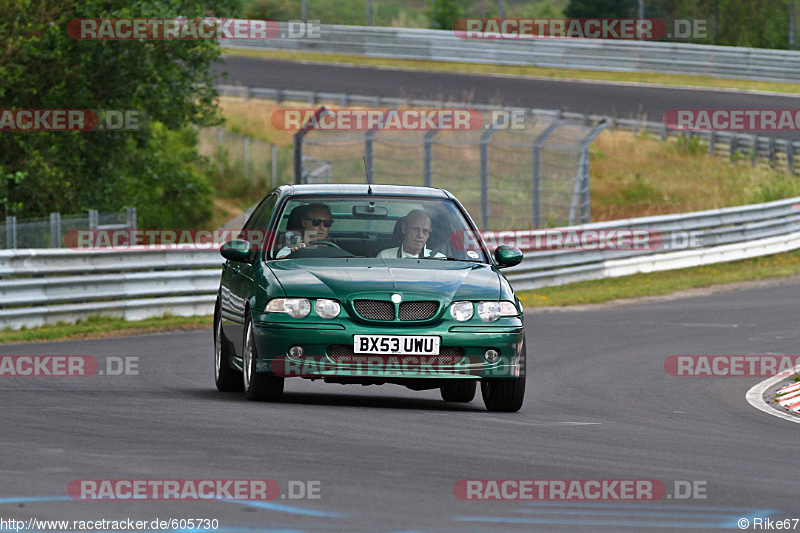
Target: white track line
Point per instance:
(755, 397)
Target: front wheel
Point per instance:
(459, 391)
(227, 379)
(257, 387)
(505, 395)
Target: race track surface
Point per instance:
(581, 97)
(599, 405)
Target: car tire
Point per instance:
(459, 391)
(507, 394)
(227, 379)
(257, 387)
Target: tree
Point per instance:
(443, 13)
(168, 81)
(601, 8)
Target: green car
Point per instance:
(368, 284)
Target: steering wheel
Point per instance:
(323, 243)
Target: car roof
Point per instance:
(357, 188)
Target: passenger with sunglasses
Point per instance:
(314, 221)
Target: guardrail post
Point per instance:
(734, 138)
(712, 142)
(55, 230)
(369, 138)
(130, 216)
(427, 156)
(755, 151)
(484, 148)
(94, 218)
(663, 132)
(537, 171)
(11, 232)
(790, 156)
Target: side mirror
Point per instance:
(507, 256)
(236, 250)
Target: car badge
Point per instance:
(397, 298)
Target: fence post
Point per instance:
(246, 154)
(427, 156)
(297, 142)
(130, 215)
(274, 160)
(369, 137)
(55, 230)
(11, 232)
(581, 196)
(537, 171)
(220, 167)
(94, 218)
(485, 176)
(772, 152)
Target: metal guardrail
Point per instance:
(579, 54)
(46, 286)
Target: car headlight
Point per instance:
(296, 307)
(327, 308)
(461, 311)
(491, 311)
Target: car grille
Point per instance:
(375, 309)
(417, 310)
(384, 310)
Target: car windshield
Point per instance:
(375, 226)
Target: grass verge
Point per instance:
(99, 327)
(663, 283)
(507, 70)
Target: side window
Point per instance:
(251, 222)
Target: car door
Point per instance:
(245, 274)
(230, 314)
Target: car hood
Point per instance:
(344, 278)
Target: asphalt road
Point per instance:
(581, 97)
(599, 405)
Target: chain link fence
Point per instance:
(531, 177)
(54, 231)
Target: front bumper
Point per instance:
(327, 355)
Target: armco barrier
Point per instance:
(586, 54)
(46, 286)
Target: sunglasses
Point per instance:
(328, 222)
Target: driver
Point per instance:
(315, 221)
(416, 228)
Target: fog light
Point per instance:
(297, 351)
(491, 355)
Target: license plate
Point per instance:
(396, 344)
